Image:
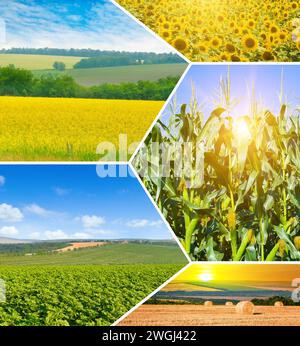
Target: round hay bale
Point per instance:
(245, 308)
(208, 303)
(279, 303)
(229, 303)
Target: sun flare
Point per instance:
(205, 277)
(241, 129)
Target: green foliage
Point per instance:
(59, 86)
(142, 90)
(38, 247)
(109, 254)
(127, 59)
(156, 58)
(198, 301)
(248, 205)
(15, 82)
(20, 82)
(117, 74)
(76, 295)
(272, 300)
(58, 65)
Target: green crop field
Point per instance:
(76, 295)
(119, 74)
(36, 62)
(92, 286)
(108, 254)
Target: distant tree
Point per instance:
(60, 66)
(56, 86)
(15, 81)
(19, 82)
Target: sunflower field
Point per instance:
(225, 30)
(33, 128)
(79, 295)
(247, 206)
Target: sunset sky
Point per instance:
(208, 272)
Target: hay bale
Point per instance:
(229, 303)
(245, 308)
(208, 303)
(279, 303)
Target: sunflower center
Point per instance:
(250, 43)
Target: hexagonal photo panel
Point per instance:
(77, 80)
(231, 294)
(80, 245)
(222, 162)
(224, 30)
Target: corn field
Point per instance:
(248, 205)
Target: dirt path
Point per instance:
(199, 315)
(82, 245)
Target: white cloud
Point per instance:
(37, 210)
(81, 235)
(103, 27)
(91, 221)
(99, 231)
(59, 191)
(9, 231)
(58, 234)
(9, 213)
(2, 180)
(34, 235)
(139, 223)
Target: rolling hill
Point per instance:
(4, 240)
(36, 62)
(126, 253)
(118, 74)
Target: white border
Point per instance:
(166, 104)
(154, 34)
(159, 212)
(131, 167)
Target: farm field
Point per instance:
(68, 129)
(239, 200)
(199, 315)
(118, 74)
(103, 255)
(36, 62)
(76, 295)
(235, 30)
(81, 245)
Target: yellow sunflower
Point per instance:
(249, 42)
(180, 44)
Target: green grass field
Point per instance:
(108, 254)
(119, 74)
(36, 62)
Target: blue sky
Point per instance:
(96, 24)
(72, 201)
(265, 78)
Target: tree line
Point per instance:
(20, 82)
(127, 60)
(101, 58)
(37, 247)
